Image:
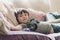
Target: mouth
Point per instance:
(24, 19)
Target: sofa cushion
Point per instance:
(24, 37)
(33, 14)
(39, 15)
(2, 28)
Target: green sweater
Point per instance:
(37, 26)
(43, 28)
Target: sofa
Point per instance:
(17, 35)
(23, 37)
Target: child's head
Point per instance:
(22, 16)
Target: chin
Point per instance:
(24, 21)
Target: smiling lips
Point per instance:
(24, 19)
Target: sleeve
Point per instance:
(23, 26)
(43, 28)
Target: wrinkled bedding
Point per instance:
(25, 36)
(55, 35)
(57, 38)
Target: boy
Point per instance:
(22, 18)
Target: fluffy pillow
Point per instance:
(39, 15)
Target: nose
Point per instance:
(24, 17)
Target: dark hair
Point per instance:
(20, 12)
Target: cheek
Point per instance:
(20, 19)
(27, 17)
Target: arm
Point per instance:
(16, 28)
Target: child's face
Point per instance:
(22, 18)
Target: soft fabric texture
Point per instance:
(37, 26)
(44, 28)
(2, 28)
(39, 15)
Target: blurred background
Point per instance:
(40, 5)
